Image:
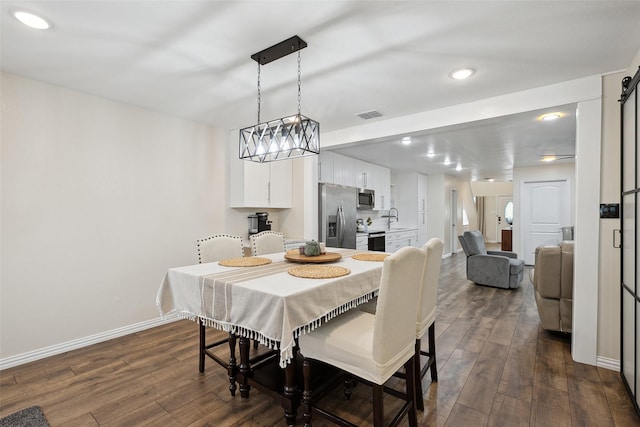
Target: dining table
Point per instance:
(270, 303)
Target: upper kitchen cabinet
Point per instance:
(364, 174)
(258, 185)
(344, 170)
(325, 166)
(382, 186)
(334, 168)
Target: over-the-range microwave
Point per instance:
(366, 199)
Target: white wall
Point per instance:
(465, 201)
(99, 199)
(486, 188)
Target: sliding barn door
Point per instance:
(630, 291)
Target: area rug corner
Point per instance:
(28, 417)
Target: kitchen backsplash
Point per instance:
(377, 223)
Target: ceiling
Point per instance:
(192, 59)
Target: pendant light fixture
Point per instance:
(285, 138)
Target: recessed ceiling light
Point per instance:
(447, 162)
(406, 140)
(31, 20)
(462, 73)
(490, 179)
(431, 154)
(458, 167)
(550, 117)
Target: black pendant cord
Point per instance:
(299, 85)
(258, 93)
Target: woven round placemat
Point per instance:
(250, 261)
(370, 257)
(319, 271)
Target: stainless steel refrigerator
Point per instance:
(337, 216)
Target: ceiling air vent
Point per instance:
(370, 115)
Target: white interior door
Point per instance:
(545, 209)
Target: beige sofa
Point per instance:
(553, 283)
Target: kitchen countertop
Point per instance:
(391, 230)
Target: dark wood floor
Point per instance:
(496, 368)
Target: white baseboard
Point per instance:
(31, 356)
(606, 363)
(447, 255)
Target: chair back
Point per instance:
(219, 246)
(397, 309)
(267, 242)
(474, 243)
(463, 244)
(429, 290)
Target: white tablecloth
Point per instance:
(266, 303)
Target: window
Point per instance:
(508, 213)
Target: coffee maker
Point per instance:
(259, 222)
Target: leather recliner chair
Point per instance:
(553, 284)
(491, 268)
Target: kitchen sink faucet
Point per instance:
(390, 216)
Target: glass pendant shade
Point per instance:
(280, 139)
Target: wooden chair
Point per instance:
(211, 249)
(372, 347)
(267, 242)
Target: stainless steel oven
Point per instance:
(376, 241)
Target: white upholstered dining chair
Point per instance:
(219, 247)
(369, 346)
(267, 242)
(210, 249)
(425, 321)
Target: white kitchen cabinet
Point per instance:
(382, 187)
(411, 202)
(362, 241)
(396, 239)
(344, 170)
(259, 185)
(364, 174)
(422, 229)
(422, 193)
(390, 244)
(325, 167)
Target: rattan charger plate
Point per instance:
(370, 257)
(250, 261)
(319, 271)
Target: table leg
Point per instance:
(291, 390)
(201, 345)
(232, 368)
(245, 367)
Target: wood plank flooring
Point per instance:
(496, 367)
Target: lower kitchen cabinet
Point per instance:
(395, 240)
(362, 241)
